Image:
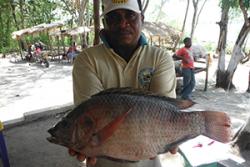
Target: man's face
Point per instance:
(188, 43)
(123, 27)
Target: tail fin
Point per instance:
(217, 126)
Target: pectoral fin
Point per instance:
(108, 130)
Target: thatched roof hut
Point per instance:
(36, 29)
(161, 35)
(71, 32)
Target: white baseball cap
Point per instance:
(110, 5)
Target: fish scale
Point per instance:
(132, 125)
(145, 120)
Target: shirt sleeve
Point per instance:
(164, 78)
(180, 52)
(85, 80)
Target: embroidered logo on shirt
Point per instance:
(119, 1)
(145, 76)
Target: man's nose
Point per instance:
(123, 22)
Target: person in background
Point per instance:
(29, 55)
(72, 52)
(124, 59)
(186, 55)
(38, 49)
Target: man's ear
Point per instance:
(104, 22)
(142, 18)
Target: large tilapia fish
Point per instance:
(133, 125)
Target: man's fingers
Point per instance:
(71, 152)
(174, 150)
(81, 157)
(91, 160)
(152, 158)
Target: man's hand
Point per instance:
(81, 157)
(174, 150)
(92, 160)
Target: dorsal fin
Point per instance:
(125, 90)
(182, 104)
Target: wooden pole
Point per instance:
(96, 21)
(20, 48)
(207, 66)
(248, 90)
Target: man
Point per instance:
(186, 55)
(72, 52)
(123, 60)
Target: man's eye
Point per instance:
(131, 15)
(112, 20)
(88, 122)
(112, 16)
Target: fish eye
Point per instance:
(86, 124)
(88, 121)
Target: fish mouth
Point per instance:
(51, 131)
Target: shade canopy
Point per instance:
(159, 32)
(71, 32)
(36, 29)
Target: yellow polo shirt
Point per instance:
(99, 67)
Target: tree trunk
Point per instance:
(183, 26)
(13, 11)
(243, 138)
(96, 21)
(145, 5)
(221, 74)
(248, 90)
(199, 13)
(81, 11)
(185, 17)
(196, 15)
(21, 5)
(160, 10)
(82, 8)
(237, 54)
(195, 5)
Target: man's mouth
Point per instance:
(124, 32)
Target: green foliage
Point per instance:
(9, 49)
(15, 15)
(43, 37)
(234, 4)
(5, 25)
(229, 3)
(209, 46)
(39, 11)
(246, 3)
(20, 14)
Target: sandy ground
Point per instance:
(25, 88)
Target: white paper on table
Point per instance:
(203, 150)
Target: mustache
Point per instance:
(124, 31)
